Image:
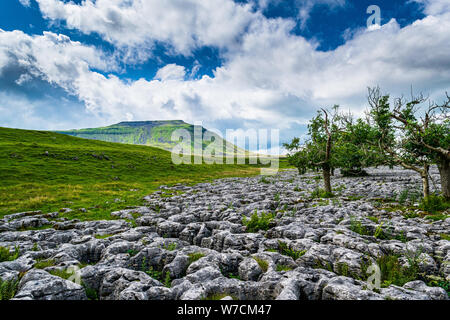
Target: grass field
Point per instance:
(48, 171)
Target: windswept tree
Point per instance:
(413, 141)
(317, 153)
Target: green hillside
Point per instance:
(150, 133)
(48, 171)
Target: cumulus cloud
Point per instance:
(182, 24)
(434, 7)
(171, 72)
(272, 78)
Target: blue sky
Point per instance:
(231, 64)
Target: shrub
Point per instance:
(171, 246)
(6, 255)
(434, 204)
(91, 293)
(195, 256)
(263, 264)
(256, 223)
(393, 272)
(285, 250)
(356, 226)
(8, 289)
(321, 193)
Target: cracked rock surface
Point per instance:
(189, 242)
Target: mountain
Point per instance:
(150, 133)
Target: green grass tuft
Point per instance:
(256, 222)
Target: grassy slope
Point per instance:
(75, 174)
(151, 133)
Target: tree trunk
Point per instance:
(327, 179)
(425, 181)
(444, 171)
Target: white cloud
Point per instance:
(171, 72)
(25, 3)
(434, 7)
(183, 24)
(272, 78)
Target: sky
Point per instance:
(248, 64)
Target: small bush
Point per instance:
(195, 256)
(171, 246)
(285, 250)
(263, 264)
(8, 289)
(256, 222)
(434, 204)
(356, 226)
(393, 272)
(91, 293)
(6, 255)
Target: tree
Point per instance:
(317, 153)
(354, 148)
(411, 141)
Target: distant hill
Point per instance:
(150, 133)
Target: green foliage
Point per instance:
(103, 236)
(264, 180)
(160, 276)
(6, 255)
(132, 252)
(393, 272)
(8, 289)
(42, 264)
(53, 171)
(263, 264)
(281, 267)
(170, 246)
(285, 250)
(195, 256)
(354, 149)
(356, 226)
(434, 204)
(445, 236)
(63, 273)
(91, 293)
(258, 222)
(321, 193)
